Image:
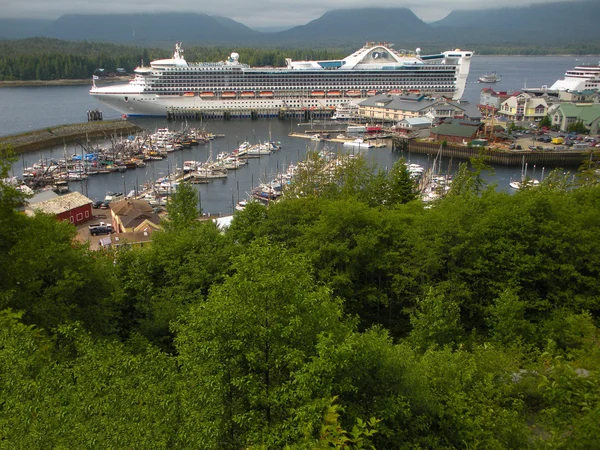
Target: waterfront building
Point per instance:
(491, 100)
(569, 113)
(583, 96)
(522, 106)
(73, 207)
(457, 131)
(414, 123)
(397, 107)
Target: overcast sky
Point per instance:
(253, 13)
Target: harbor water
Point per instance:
(31, 108)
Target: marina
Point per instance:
(51, 106)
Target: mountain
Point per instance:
(356, 26)
(147, 29)
(541, 23)
(22, 28)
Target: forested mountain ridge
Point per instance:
(52, 59)
(548, 24)
(349, 318)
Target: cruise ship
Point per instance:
(171, 85)
(579, 79)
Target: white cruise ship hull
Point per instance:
(172, 86)
(152, 105)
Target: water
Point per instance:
(26, 108)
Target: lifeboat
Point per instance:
(248, 94)
(189, 94)
(353, 93)
(266, 94)
(371, 92)
(333, 93)
(395, 91)
(317, 94)
(207, 94)
(228, 94)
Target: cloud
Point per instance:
(251, 13)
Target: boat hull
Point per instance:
(160, 106)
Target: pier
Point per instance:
(564, 158)
(253, 114)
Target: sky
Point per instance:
(253, 13)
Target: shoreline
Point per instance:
(52, 136)
(63, 82)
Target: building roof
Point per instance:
(417, 121)
(132, 212)
(135, 237)
(42, 196)
(61, 204)
(408, 102)
(455, 129)
(128, 206)
(471, 110)
(587, 113)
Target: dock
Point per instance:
(306, 114)
(563, 158)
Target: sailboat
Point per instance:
(524, 181)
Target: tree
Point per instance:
(240, 352)
(69, 391)
(577, 127)
(545, 122)
(400, 187)
(435, 321)
(182, 208)
(507, 320)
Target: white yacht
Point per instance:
(346, 111)
(173, 85)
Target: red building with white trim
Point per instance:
(73, 207)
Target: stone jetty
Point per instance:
(52, 136)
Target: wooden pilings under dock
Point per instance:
(563, 158)
(253, 114)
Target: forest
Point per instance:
(52, 59)
(348, 315)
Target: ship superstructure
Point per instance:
(174, 84)
(580, 78)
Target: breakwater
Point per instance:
(563, 158)
(52, 136)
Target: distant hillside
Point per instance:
(149, 29)
(543, 23)
(356, 26)
(565, 27)
(23, 28)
